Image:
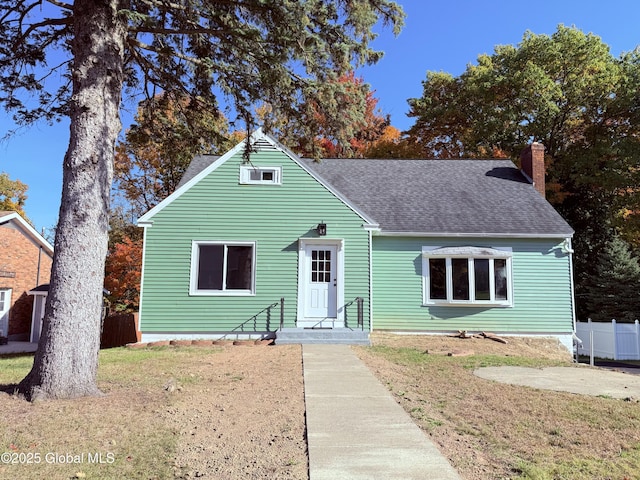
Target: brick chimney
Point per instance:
(532, 165)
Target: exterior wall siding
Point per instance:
(542, 296)
(218, 208)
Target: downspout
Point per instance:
(370, 282)
(575, 340)
(38, 270)
(569, 250)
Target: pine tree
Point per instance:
(612, 293)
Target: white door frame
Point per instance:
(302, 321)
(4, 313)
(39, 301)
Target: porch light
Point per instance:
(321, 229)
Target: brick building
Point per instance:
(25, 263)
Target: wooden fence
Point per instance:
(618, 341)
(118, 330)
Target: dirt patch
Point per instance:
(244, 418)
(531, 347)
(216, 412)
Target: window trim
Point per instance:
(245, 175)
(470, 253)
(195, 263)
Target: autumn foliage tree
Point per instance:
(567, 91)
(123, 266)
(364, 132)
(357, 129)
(13, 194)
(123, 272)
(392, 144)
(169, 130)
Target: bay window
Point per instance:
(467, 276)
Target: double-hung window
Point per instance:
(474, 276)
(222, 268)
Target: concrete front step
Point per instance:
(308, 336)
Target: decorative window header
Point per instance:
(260, 175)
(481, 252)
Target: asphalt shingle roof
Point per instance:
(457, 197)
(439, 197)
(198, 164)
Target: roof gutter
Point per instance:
(383, 233)
(29, 230)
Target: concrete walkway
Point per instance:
(355, 428)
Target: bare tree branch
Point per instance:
(16, 9)
(46, 23)
(53, 69)
(66, 6)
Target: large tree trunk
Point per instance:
(66, 362)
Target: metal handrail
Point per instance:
(281, 313)
(360, 306)
(254, 318)
(359, 301)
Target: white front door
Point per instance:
(321, 282)
(5, 304)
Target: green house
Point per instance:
(284, 247)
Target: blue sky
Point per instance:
(438, 36)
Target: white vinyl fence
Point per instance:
(618, 341)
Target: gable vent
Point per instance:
(262, 145)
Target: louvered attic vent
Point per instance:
(263, 145)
